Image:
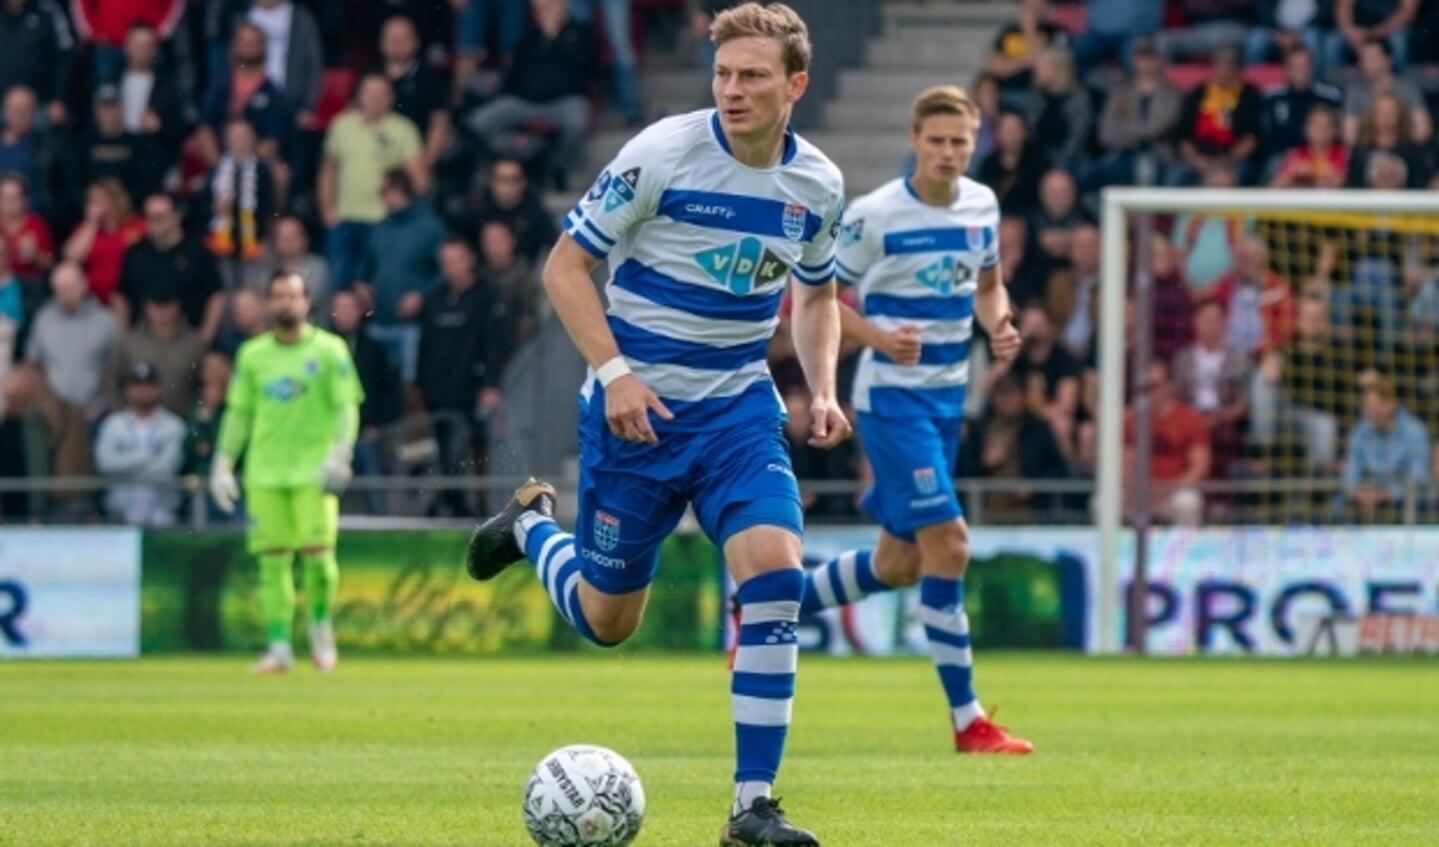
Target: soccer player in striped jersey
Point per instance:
(923, 251)
(703, 219)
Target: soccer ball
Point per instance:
(584, 796)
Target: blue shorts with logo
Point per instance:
(913, 464)
(633, 495)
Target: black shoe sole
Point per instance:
(492, 546)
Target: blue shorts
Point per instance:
(913, 464)
(633, 495)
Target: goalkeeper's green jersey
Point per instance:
(293, 396)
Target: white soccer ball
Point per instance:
(584, 796)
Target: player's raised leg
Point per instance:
(856, 574)
(598, 578)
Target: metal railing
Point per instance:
(1052, 501)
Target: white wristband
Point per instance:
(612, 370)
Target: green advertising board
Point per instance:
(406, 591)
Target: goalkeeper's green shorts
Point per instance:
(291, 518)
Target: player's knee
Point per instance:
(611, 632)
(945, 549)
(900, 570)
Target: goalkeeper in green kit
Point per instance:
(293, 410)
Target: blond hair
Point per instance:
(777, 21)
(943, 100)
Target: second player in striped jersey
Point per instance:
(923, 253)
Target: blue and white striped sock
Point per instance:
(842, 580)
(762, 687)
(941, 610)
(553, 552)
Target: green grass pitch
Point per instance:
(193, 751)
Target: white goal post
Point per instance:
(1118, 204)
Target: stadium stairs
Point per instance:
(863, 125)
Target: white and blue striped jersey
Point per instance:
(918, 264)
(700, 249)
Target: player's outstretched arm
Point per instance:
(816, 340)
(571, 290)
(993, 310)
(902, 344)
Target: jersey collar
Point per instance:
(909, 189)
(791, 147)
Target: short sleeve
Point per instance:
(816, 262)
(625, 193)
(410, 145)
(857, 247)
(990, 254)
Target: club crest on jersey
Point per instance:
(607, 531)
(926, 481)
(284, 389)
(312, 367)
(795, 215)
(975, 236)
(851, 233)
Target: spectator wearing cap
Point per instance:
(401, 263)
(36, 42)
(72, 339)
(139, 448)
(240, 197)
(1388, 451)
(25, 233)
(361, 144)
(101, 240)
(1219, 123)
(107, 149)
(166, 260)
(42, 436)
(1286, 110)
(165, 343)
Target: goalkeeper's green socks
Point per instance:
(277, 597)
(322, 582)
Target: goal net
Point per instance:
(1265, 358)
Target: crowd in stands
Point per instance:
(159, 158)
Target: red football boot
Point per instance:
(984, 736)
